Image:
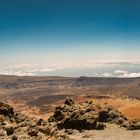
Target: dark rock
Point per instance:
(58, 116)
(103, 116)
(89, 109)
(41, 122)
(59, 107)
(14, 137)
(20, 118)
(111, 115)
(133, 126)
(6, 110)
(69, 131)
(76, 116)
(90, 102)
(69, 101)
(9, 130)
(33, 133)
(48, 130)
(62, 136)
(100, 126)
(87, 136)
(86, 116)
(77, 123)
(118, 121)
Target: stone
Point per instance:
(103, 116)
(69, 131)
(33, 133)
(48, 130)
(69, 101)
(41, 122)
(100, 126)
(9, 130)
(6, 110)
(58, 116)
(133, 126)
(78, 124)
(62, 136)
(14, 137)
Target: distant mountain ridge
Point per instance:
(18, 81)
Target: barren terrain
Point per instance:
(38, 96)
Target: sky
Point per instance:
(69, 37)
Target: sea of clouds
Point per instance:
(94, 69)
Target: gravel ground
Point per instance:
(112, 132)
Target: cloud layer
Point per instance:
(97, 69)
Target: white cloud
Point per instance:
(19, 73)
(124, 73)
(106, 74)
(120, 72)
(25, 70)
(46, 70)
(99, 68)
(130, 75)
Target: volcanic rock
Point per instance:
(69, 101)
(33, 133)
(9, 130)
(6, 110)
(14, 137)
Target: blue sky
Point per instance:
(60, 31)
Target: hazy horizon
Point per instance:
(70, 38)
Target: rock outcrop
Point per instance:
(16, 126)
(67, 119)
(6, 110)
(85, 116)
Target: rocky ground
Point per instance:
(83, 121)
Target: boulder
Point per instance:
(41, 122)
(111, 115)
(62, 136)
(49, 130)
(14, 137)
(100, 126)
(57, 116)
(133, 126)
(9, 130)
(118, 121)
(69, 101)
(77, 124)
(33, 133)
(6, 110)
(76, 116)
(103, 116)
